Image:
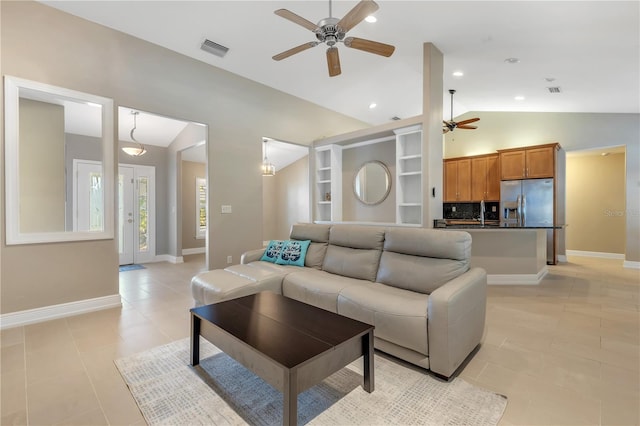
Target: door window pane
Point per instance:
(96, 216)
(143, 205)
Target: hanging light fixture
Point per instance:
(268, 169)
(134, 151)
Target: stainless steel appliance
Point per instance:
(529, 203)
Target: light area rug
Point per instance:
(221, 391)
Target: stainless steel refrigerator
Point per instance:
(529, 202)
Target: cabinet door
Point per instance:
(478, 179)
(512, 165)
(540, 162)
(493, 179)
(464, 180)
(450, 181)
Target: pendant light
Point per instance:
(134, 151)
(268, 169)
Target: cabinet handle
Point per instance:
(524, 172)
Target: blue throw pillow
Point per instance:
(293, 253)
(272, 251)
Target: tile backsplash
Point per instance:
(470, 211)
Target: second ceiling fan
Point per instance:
(331, 31)
(449, 126)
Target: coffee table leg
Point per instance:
(367, 350)
(195, 340)
(290, 398)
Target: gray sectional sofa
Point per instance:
(414, 285)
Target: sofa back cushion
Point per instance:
(354, 251)
(423, 259)
(319, 236)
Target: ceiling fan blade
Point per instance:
(296, 19)
(357, 14)
(466, 127)
(333, 61)
(471, 120)
(369, 46)
(293, 51)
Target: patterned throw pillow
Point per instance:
(272, 251)
(293, 253)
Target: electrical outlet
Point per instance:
(229, 259)
(453, 208)
(493, 209)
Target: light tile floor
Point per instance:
(564, 352)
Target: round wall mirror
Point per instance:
(372, 183)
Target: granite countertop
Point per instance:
(478, 225)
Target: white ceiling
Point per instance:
(591, 50)
(151, 129)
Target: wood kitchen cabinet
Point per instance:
(457, 180)
(485, 179)
(528, 163)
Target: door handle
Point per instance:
(130, 221)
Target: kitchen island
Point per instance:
(511, 254)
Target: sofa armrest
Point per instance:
(251, 256)
(456, 317)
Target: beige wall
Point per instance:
(574, 131)
(190, 171)
(285, 200)
(596, 203)
(43, 44)
(42, 177)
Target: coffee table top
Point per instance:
(286, 330)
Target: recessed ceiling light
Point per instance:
(372, 105)
(512, 60)
(519, 98)
(550, 79)
(458, 73)
(371, 19)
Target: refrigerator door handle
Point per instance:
(523, 215)
(519, 208)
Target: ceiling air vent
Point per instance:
(553, 89)
(213, 47)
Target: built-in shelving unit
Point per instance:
(409, 175)
(328, 183)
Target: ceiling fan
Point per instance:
(332, 31)
(451, 125)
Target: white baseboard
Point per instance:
(196, 250)
(46, 313)
(168, 258)
(517, 279)
(595, 254)
(562, 258)
(631, 264)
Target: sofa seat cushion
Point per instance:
(318, 288)
(399, 316)
(268, 267)
(219, 284)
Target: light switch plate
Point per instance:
(225, 209)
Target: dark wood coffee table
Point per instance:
(291, 345)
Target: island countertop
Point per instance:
(494, 225)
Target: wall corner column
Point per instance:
(432, 140)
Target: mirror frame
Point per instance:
(386, 194)
(12, 86)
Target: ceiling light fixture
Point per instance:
(371, 19)
(134, 151)
(512, 60)
(268, 169)
(458, 73)
(372, 105)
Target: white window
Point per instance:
(201, 208)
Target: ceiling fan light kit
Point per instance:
(450, 126)
(331, 31)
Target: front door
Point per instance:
(136, 214)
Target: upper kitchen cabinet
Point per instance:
(457, 180)
(485, 178)
(528, 163)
